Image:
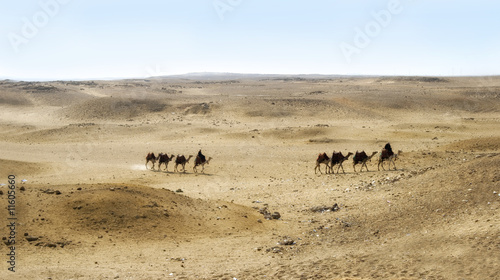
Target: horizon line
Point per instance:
(212, 74)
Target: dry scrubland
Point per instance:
(99, 214)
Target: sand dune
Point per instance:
(92, 209)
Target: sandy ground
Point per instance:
(93, 211)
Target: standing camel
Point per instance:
(182, 161)
(338, 158)
(164, 159)
(150, 157)
(362, 158)
(200, 160)
(322, 159)
(387, 155)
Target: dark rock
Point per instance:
(274, 250)
(32, 238)
(334, 208)
(287, 241)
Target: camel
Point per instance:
(182, 161)
(165, 159)
(338, 158)
(362, 158)
(150, 157)
(387, 155)
(322, 159)
(200, 160)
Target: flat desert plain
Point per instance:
(87, 207)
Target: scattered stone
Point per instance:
(276, 249)
(6, 241)
(153, 204)
(22, 188)
(179, 191)
(322, 209)
(287, 241)
(268, 215)
(32, 238)
(1, 192)
(345, 224)
(79, 189)
(49, 191)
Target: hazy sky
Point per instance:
(83, 39)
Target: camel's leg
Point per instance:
(364, 163)
(354, 167)
(381, 163)
(392, 160)
(338, 168)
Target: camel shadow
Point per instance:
(203, 174)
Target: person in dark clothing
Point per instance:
(202, 157)
(389, 149)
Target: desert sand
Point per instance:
(86, 206)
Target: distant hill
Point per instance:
(232, 76)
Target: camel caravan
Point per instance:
(180, 161)
(361, 158)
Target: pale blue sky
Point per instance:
(87, 39)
